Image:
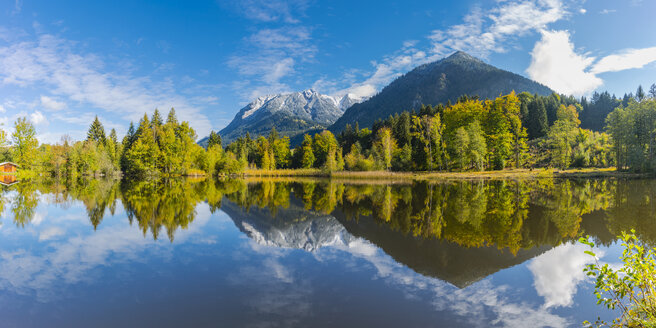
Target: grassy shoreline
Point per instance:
(504, 174)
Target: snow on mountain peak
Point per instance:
(309, 100)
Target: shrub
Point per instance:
(630, 289)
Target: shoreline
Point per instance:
(482, 175)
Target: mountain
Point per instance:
(295, 227)
(290, 113)
(438, 82)
(292, 226)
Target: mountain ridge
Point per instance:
(296, 113)
(438, 82)
(291, 113)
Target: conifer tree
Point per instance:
(96, 131)
(538, 124)
(640, 94)
(171, 118)
(156, 120)
(214, 140)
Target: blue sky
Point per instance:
(62, 62)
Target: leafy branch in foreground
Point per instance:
(629, 289)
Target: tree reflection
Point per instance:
(505, 214)
(24, 204)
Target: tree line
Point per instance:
(511, 130)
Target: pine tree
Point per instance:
(652, 91)
(113, 147)
(96, 132)
(129, 137)
(537, 119)
(144, 124)
(214, 140)
(171, 118)
(640, 94)
(156, 120)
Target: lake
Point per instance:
(296, 252)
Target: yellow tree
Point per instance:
(24, 143)
(384, 147)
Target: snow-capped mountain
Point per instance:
(292, 227)
(290, 113)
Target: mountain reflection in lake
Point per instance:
(294, 252)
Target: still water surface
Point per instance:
(294, 252)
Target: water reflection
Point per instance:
(505, 214)
(461, 232)
(457, 231)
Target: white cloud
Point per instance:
(583, 11)
(556, 64)
(628, 59)
(272, 10)
(52, 104)
(54, 64)
(270, 56)
(38, 118)
(484, 33)
(558, 272)
(607, 11)
(2, 109)
(481, 33)
(51, 233)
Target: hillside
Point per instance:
(438, 82)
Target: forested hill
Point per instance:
(438, 82)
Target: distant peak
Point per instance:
(461, 54)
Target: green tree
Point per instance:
(3, 138)
(562, 135)
(281, 152)
(214, 139)
(384, 148)
(96, 131)
(307, 154)
(427, 130)
(156, 119)
(538, 125)
(640, 94)
(461, 146)
(24, 143)
(477, 148)
(172, 118)
(631, 289)
(403, 159)
(321, 146)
